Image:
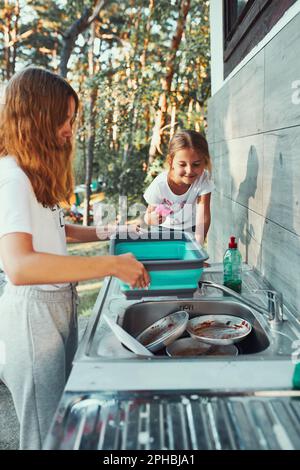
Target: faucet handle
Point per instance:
(202, 287)
(275, 303)
(271, 294)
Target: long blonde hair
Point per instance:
(186, 139)
(36, 105)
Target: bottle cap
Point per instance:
(232, 243)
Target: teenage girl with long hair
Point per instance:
(38, 325)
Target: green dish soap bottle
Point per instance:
(232, 263)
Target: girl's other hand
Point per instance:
(157, 219)
(152, 217)
(163, 210)
(131, 271)
(106, 231)
(130, 228)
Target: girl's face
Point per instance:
(65, 131)
(187, 165)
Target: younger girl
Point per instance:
(180, 197)
(38, 326)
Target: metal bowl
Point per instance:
(188, 347)
(164, 331)
(218, 329)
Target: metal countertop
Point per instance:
(125, 403)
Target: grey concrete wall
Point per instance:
(254, 139)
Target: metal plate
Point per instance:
(126, 339)
(188, 347)
(164, 331)
(218, 329)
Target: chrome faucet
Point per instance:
(274, 311)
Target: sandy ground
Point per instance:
(9, 426)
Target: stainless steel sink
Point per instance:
(265, 342)
(141, 315)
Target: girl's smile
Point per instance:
(187, 165)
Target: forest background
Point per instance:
(141, 68)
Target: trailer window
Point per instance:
(234, 11)
(246, 23)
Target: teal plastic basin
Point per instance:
(172, 280)
(164, 250)
(173, 264)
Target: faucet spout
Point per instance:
(274, 312)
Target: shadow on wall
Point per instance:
(230, 207)
(280, 245)
(221, 225)
(244, 230)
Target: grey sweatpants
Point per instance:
(38, 329)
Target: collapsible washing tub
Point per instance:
(173, 259)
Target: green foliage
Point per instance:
(154, 169)
(131, 50)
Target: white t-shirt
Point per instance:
(21, 212)
(182, 208)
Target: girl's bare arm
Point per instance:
(202, 217)
(24, 266)
(78, 234)
(81, 234)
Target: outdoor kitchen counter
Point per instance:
(102, 363)
(116, 401)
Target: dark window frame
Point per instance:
(250, 27)
(231, 17)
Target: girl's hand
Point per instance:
(152, 217)
(156, 219)
(106, 231)
(130, 228)
(163, 210)
(131, 271)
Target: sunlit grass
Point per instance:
(88, 290)
(87, 301)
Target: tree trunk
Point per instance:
(190, 111)
(54, 52)
(91, 130)
(15, 33)
(173, 120)
(147, 37)
(133, 87)
(90, 155)
(72, 33)
(7, 35)
(147, 121)
(160, 118)
(143, 69)
(200, 123)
